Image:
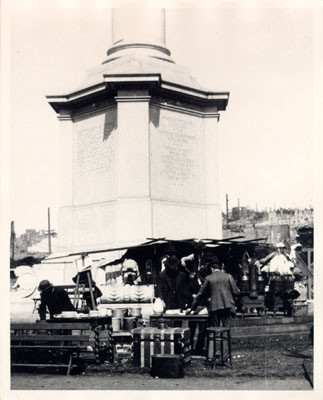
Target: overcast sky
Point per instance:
(262, 56)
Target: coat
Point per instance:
(221, 288)
(174, 291)
(56, 300)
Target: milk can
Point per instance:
(244, 283)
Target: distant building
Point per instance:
(25, 242)
(239, 212)
(292, 217)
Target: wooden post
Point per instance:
(91, 290)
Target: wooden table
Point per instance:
(180, 320)
(95, 323)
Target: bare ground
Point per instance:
(262, 363)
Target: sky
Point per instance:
(263, 56)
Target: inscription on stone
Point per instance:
(95, 149)
(178, 153)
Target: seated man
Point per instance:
(55, 299)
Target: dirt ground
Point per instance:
(261, 363)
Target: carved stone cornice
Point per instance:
(131, 99)
(183, 107)
(194, 99)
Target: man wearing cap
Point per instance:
(55, 299)
(221, 288)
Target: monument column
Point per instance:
(133, 207)
(145, 36)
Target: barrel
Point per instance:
(116, 324)
(129, 323)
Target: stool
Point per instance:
(219, 335)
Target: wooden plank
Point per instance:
(39, 365)
(41, 346)
(69, 366)
(50, 326)
(49, 338)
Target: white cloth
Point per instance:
(279, 264)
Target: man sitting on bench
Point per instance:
(55, 299)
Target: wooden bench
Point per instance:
(43, 344)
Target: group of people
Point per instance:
(210, 287)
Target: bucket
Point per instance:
(118, 312)
(134, 311)
(116, 324)
(129, 323)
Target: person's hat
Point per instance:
(44, 285)
(170, 249)
(205, 271)
(208, 255)
(215, 262)
(172, 262)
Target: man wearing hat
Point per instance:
(221, 288)
(172, 285)
(55, 299)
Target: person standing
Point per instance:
(221, 288)
(55, 299)
(173, 286)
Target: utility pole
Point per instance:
(49, 234)
(227, 209)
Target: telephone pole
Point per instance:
(49, 234)
(227, 208)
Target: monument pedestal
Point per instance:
(138, 152)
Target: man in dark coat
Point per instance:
(55, 299)
(221, 288)
(173, 287)
(84, 277)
